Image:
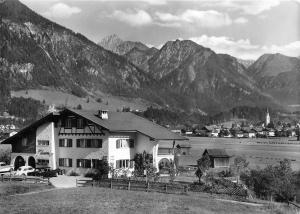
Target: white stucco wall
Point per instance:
(46, 132)
(120, 153)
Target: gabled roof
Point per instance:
(116, 122)
(32, 126)
(127, 121)
(218, 153)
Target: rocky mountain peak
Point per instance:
(111, 42)
(274, 64)
(118, 46)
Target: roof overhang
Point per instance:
(47, 118)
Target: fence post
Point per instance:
(166, 188)
(128, 185)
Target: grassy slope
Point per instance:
(60, 98)
(99, 200)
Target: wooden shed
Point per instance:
(218, 157)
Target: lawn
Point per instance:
(101, 200)
(12, 188)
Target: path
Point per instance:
(63, 181)
(240, 202)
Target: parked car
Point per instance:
(45, 172)
(5, 168)
(24, 170)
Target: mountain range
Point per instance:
(182, 75)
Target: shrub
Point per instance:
(101, 171)
(141, 162)
(73, 173)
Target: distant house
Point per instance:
(249, 133)
(188, 133)
(269, 132)
(218, 157)
(236, 132)
(205, 131)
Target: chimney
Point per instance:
(103, 114)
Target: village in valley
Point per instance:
(205, 124)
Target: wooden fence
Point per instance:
(27, 179)
(174, 188)
(221, 186)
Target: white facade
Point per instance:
(49, 151)
(79, 142)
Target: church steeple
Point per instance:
(268, 119)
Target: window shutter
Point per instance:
(60, 142)
(70, 142)
(131, 164)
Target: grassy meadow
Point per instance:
(259, 152)
(58, 98)
(100, 200)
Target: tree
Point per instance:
(79, 107)
(142, 162)
(240, 164)
(273, 181)
(5, 156)
(203, 164)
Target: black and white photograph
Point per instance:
(150, 106)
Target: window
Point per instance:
(67, 162)
(65, 143)
(84, 163)
(80, 123)
(131, 143)
(89, 143)
(43, 142)
(24, 141)
(124, 164)
(124, 143)
(97, 143)
(42, 162)
(96, 163)
(68, 123)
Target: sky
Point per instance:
(245, 29)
